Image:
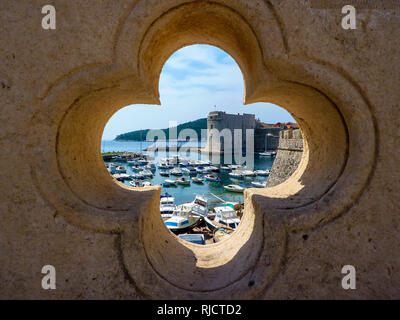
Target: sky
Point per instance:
(194, 81)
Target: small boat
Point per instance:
(265, 154)
(248, 173)
(142, 162)
(176, 172)
(150, 166)
(189, 170)
(122, 176)
(234, 188)
(200, 169)
(170, 182)
(226, 169)
(198, 180)
(236, 174)
(193, 238)
(199, 205)
(258, 184)
(132, 163)
(146, 184)
(147, 174)
(135, 184)
(167, 206)
(164, 173)
(163, 166)
(262, 172)
(212, 178)
(136, 168)
(183, 181)
(120, 169)
(225, 217)
(214, 169)
(182, 220)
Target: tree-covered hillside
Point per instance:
(140, 135)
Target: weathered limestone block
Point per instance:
(60, 206)
(289, 153)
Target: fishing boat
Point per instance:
(164, 173)
(182, 220)
(236, 174)
(167, 206)
(258, 184)
(212, 178)
(234, 188)
(197, 180)
(262, 172)
(176, 172)
(183, 181)
(225, 217)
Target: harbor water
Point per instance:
(183, 194)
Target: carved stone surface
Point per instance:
(60, 206)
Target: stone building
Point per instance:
(221, 127)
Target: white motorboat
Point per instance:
(212, 178)
(167, 206)
(183, 181)
(248, 173)
(163, 166)
(147, 173)
(171, 182)
(189, 170)
(226, 169)
(236, 174)
(265, 154)
(262, 172)
(164, 173)
(120, 169)
(225, 216)
(258, 184)
(234, 188)
(135, 184)
(176, 172)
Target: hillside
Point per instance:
(140, 135)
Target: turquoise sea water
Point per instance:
(185, 194)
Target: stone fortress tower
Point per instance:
(221, 125)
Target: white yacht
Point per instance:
(167, 206)
(225, 216)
